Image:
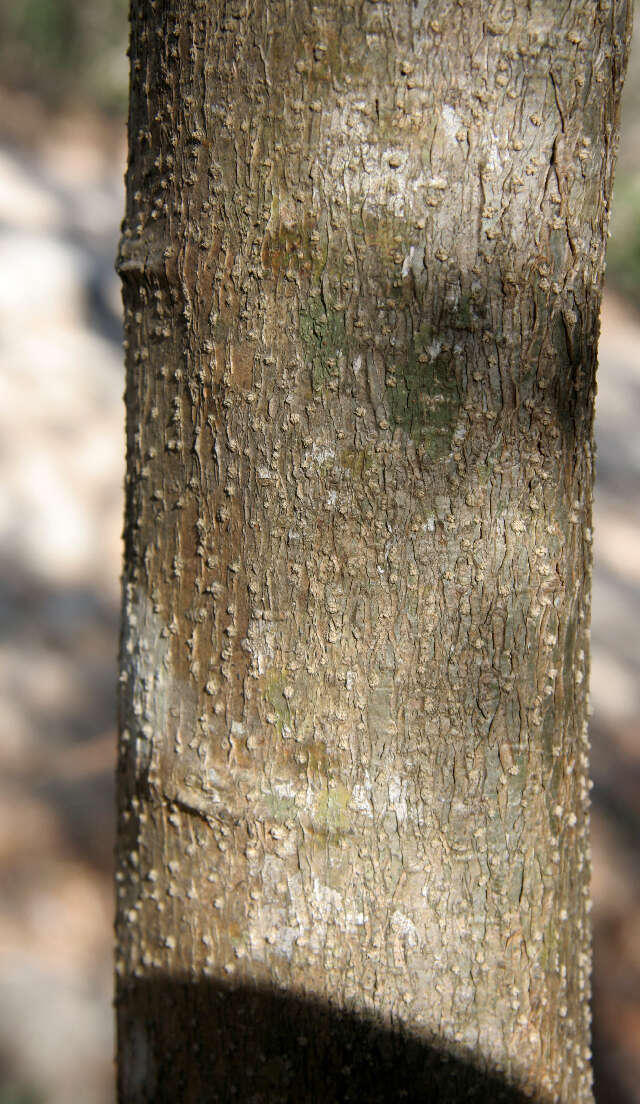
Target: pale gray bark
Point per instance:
(362, 263)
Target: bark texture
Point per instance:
(362, 262)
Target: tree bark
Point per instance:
(362, 262)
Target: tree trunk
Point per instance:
(362, 263)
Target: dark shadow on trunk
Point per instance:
(200, 1042)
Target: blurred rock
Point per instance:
(61, 450)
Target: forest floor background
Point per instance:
(61, 454)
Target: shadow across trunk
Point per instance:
(220, 1042)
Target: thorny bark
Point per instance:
(362, 262)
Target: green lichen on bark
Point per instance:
(324, 339)
(332, 808)
(423, 393)
(357, 461)
(275, 684)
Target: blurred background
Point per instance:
(63, 89)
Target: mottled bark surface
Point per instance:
(362, 263)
